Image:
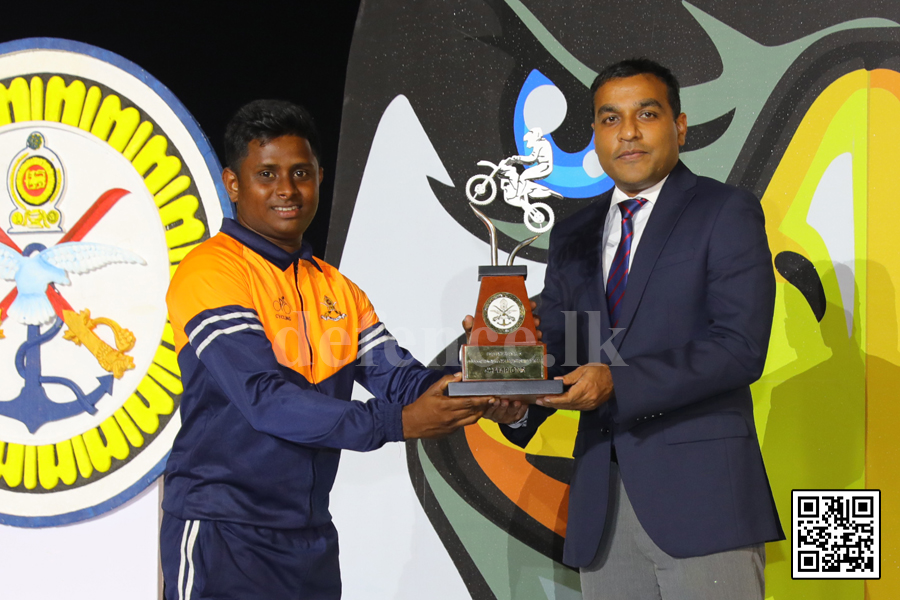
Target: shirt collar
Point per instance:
(267, 249)
(650, 194)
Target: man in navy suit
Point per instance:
(657, 307)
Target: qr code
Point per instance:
(837, 534)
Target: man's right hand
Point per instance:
(590, 386)
(435, 415)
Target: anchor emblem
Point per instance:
(32, 406)
(35, 302)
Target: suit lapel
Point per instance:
(673, 198)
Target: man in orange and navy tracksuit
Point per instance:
(270, 341)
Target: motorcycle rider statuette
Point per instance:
(504, 357)
(519, 189)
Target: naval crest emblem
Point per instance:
(109, 184)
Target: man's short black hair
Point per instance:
(265, 120)
(640, 66)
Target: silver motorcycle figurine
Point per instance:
(519, 189)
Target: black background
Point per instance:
(217, 56)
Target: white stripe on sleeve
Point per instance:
(371, 334)
(372, 344)
(217, 318)
(227, 331)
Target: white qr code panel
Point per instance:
(836, 534)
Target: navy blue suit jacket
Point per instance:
(695, 325)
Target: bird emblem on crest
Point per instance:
(37, 267)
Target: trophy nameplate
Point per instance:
(503, 356)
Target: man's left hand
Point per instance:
(590, 386)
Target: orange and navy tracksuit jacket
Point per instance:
(269, 344)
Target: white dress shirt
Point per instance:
(612, 229)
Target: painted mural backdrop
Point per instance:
(800, 106)
(107, 184)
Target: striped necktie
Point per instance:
(618, 270)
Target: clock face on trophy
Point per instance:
(503, 312)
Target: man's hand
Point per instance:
(468, 323)
(435, 415)
(506, 411)
(591, 386)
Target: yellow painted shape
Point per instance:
(112, 118)
(182, 226)
(37, 99)
(58, 94)
(176, 186)
(882, 351)
(91, 105)
(30, 476)
(82, 459)
(12, 463)
(167, 359)
(132, 433)
(111, 445)
(18, 97)
(169, 381)
(138, 140)
(556, 437)
(164, 167)
(832, 126)
(168, 336)
(146, 409)
(810, 402)
(56, 462)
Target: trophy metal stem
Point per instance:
(491, 229)
(512, 255)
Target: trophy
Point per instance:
(504, 357)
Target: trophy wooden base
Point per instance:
(526, 391)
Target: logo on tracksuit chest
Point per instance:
(332, 312)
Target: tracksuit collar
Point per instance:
(267, 249)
